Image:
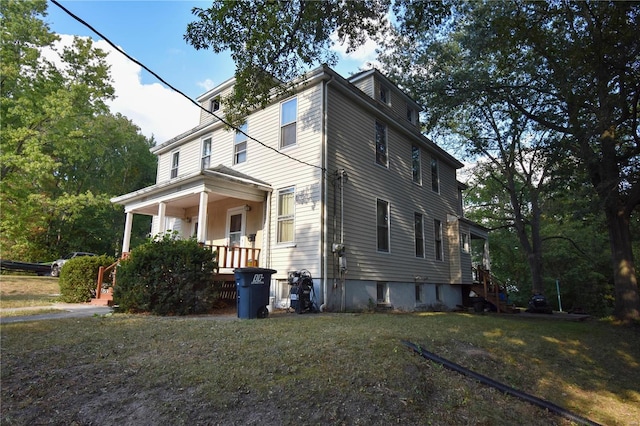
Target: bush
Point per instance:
(167, 277)
(79, 277)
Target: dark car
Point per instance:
(57, 265)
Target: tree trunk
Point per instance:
(627, 303)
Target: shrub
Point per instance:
(79, 277)
(167, 277)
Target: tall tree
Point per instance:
(63, 155)
(571, 67)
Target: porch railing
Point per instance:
(235, 257)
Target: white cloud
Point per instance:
(157, 110)
(207, 84)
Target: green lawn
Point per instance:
(315, 369)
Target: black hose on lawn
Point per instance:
(501, 387)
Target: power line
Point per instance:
(98, 33)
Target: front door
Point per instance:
(235, 227)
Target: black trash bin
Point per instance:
(253, 285)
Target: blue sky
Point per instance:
(152, 32)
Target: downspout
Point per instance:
(325, 179)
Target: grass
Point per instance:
(315, 369)
(20, 291)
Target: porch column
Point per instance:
(126, 240)
(486, 258)
(162, 221)
(202, 217)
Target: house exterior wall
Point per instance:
(351, 146)
(337, 121)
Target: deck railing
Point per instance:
(235, 257)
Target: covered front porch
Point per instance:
(222, 209)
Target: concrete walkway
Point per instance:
(67, 310)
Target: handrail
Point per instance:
(235, 257)
(491, 285)
(101, 273)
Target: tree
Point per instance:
(63, 155)
(571, 67)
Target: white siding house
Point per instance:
(336, 179)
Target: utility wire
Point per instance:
(86, 24)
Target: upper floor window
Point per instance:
(215, 104)
(288, 119)
(175, 159)
(411, 114)
(382, 223)
(435, 175)
(382, 157)
(206, 153)
(240, 145)
(418, 225)
(437, 231)
(416, 171)
(383, 94)
(286, 215)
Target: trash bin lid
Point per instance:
(254, 271)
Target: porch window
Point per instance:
(286, 215)
(382, 157)
(419, 234)
(437, 231)
(383, 225)
(175, 159)
(435, 175)
(288, 119)
(416, 167)
(240, 145)
(206, 153)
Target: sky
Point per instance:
(152, 32)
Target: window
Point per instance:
(439, 293)
(419, 234)
(288, 117)
(381, 144)
(437, 231)
(382, 293)
(285, 215)
(435, 179)
(415, 164)
(175, 159)
(383, 225)
(383, 94)
(418, 293)
(206, 153)
(411, 115)
(215, 104)
(240, 145)
(464, 242)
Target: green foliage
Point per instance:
(167, 276)
(274, 42)
(79, 277)
(62, 154)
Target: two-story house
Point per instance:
(336, 179)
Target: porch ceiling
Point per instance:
(184, 192)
